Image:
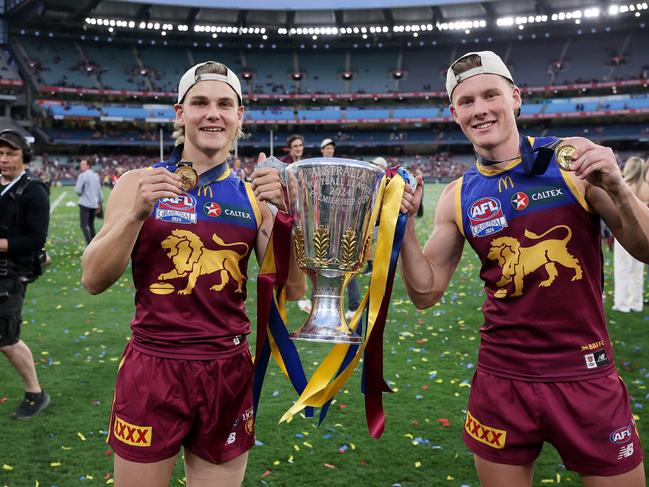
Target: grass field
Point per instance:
(430, 357)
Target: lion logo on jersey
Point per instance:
(191, 259)
(518, 261)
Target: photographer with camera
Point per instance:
(24, 219)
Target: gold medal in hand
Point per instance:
(564, 156)
(188, 175)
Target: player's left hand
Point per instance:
(596, 164)
(267, 185)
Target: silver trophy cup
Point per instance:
(331, 202)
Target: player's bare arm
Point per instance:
(597, 172)
(130, 202)
(268, 188)
(427, 273)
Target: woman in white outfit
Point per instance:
(629, 271)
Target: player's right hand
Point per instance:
(153, 184)
(411, 198)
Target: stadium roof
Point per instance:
(288, 13)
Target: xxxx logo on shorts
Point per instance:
(484, 434)
(131, 434)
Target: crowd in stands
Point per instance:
(59, 170)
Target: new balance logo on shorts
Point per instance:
(131, 434)
(484, 434)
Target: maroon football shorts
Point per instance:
(589, 422)
(162, 404)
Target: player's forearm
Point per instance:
(106, 258)
(417, 272)
(633, 233)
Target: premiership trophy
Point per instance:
(331, 202)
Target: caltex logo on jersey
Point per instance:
(520, 200)
(212, 208)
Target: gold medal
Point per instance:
(188, 176)
(564, 156)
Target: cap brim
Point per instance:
(11, 143)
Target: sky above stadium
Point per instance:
(302, 4)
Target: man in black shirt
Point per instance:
(24, 219)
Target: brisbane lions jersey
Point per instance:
(539, 245)
(190, 268)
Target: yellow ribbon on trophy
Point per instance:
(324, 383)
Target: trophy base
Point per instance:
(325, 335)
(326, 322)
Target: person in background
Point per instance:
(327, 148)
(628, 271)
(545, 369)
(237, 169)
(88, 188)
(24, 221)
(295, 144)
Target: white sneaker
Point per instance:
(304, 305)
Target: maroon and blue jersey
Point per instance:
(538, 242)
(190, 268)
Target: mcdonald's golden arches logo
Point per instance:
(505, 183)
(205, 191)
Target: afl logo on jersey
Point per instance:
(179, 209)
(486, 217)
(520, 201)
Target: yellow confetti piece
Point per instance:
(450, 477)
(417, 464)
(110, 481)
(547, 481)
(81, 437)
(409, 435)
(89, 477)
(8, 468)
(66, 448)
(352, 446)
(59, 306)
(36, 484)
(307, 444)
(290, 459)
(296, 448)
(276, 462)
(55, 464)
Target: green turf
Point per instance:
(430, 358)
